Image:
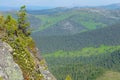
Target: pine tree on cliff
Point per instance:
(23, 25)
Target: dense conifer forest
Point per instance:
(95, 38)
(84, 56)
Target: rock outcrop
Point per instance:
(9, 70)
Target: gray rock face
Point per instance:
(42, 66)
(46, 73)
(9, 70)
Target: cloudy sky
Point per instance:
(57, 3)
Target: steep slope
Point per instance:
(10, 70)
(24, 52)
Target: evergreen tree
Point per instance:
(11, 26)
(23, 24)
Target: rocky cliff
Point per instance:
(10, 70)
(19, 57)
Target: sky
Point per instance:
(56, 3)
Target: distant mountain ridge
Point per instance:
(69, 21)
(48, 11)
(60, 9)
(112, 6)
(45, 8)
(62, 21)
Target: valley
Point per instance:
(82, 42)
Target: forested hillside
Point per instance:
(84, 43)
(84, 56)
(65, 21)
(90, 65)
(105, 36)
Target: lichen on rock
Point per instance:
(9, 70)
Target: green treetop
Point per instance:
(23, 24)
(11, 25)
